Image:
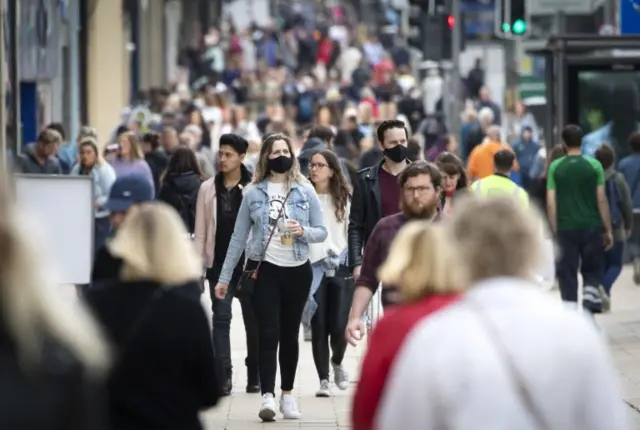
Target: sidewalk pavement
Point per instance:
(622, 327)
(240, 410)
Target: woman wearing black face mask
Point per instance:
(283, 213)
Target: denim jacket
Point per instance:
(303, 205)
(103, 177)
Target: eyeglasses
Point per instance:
(420, 190)
(319, 165)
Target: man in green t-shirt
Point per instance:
(579, 215)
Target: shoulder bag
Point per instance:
(249, 276)
(524, 393)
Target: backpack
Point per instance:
(615, 202)
(187, 211)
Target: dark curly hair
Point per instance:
(338, 187)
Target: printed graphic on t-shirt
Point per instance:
(275, 205)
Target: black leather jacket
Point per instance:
(366, 211)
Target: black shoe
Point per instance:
(253, 383)
(228, 386)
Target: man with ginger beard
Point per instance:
(421, 184)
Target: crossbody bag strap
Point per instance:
(273, 230)
(524, 393)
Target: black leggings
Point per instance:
(278, 301)
(334, 297)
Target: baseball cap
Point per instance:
(127, 191)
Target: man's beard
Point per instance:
(419, 212)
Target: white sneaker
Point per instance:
(268, 408)
(324, 390)
(289, 407)
(340, 377)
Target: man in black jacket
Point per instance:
(377, 193)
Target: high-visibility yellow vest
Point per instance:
(495, 185)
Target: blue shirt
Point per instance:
(302, 205)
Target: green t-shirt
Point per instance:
(575, 179)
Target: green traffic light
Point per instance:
(506, 27)
(519, 27)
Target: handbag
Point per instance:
(247, 281)
(516, 376)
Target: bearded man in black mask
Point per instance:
(421, 185)
(377, 192)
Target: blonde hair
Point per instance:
(262, 170)
(32, 308)
(155, 246)
(91, 141)
(497, 236)
(420, 262)
(136, 149)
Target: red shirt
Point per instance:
(385, 343)
(389, 192)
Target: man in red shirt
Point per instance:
(421, 185)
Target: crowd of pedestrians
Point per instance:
(299, 188)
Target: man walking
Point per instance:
(421, 185)
(217, 208)
(377, 193)
(579, 215)
(499, 182)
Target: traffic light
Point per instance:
(417, 23)
(513, 18)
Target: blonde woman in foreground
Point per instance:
(427, 284)
(506, 356)
(52, 353)
(164, 372)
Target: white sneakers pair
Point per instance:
(288, 408)
(340, 377)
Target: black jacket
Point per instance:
(164, 371)
(181, 192)
(157, 162)
(57, 395)
(366, 211)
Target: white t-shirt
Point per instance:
(336, 240)
(278, 253)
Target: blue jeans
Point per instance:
(580, 249)
(612, 265)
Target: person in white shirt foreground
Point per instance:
(506, 356)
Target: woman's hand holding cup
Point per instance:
(294, 227)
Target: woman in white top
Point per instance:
(332, 286)
(506, 356)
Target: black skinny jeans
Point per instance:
(333, 297)
(278, 301)
(222, 315)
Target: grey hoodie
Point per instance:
(28, 163)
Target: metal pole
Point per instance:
(74, 68)
(14, 67)
(3, 79)
(456, 41)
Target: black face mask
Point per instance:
(280, 164)
(396, 154)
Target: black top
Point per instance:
(54, 394)
(164, 362)
(181, 192)
(228, 202)
(106, 267)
